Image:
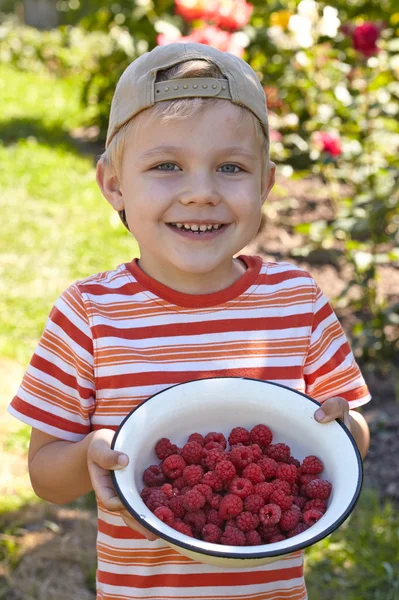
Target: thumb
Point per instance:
(101, 454)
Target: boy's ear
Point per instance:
(109, 186)
(268, 180)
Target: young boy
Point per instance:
(187, 167)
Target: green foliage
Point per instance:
(18, 441)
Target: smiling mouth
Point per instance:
(196, 228)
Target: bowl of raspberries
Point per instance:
(236, 472)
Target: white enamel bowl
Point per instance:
(219, 404)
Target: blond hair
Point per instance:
(181, 108)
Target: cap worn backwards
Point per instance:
(136, 89)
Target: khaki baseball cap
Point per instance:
(136, 89)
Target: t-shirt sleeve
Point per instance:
(57, 393)
(330, 367)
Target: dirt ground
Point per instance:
(51, 549)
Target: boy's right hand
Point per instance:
(100, 460)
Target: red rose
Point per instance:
(328, 142)
(365, 37)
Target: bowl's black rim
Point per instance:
(223, 553)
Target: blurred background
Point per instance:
(331, 76)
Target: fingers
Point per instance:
(133, 524)
(101, 454)
(333, 408)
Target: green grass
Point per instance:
(57, 227)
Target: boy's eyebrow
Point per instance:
(159, 150)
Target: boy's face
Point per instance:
(206, 171)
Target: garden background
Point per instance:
(331, 78)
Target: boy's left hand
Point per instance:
(333, 408)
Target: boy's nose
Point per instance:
(200, 190)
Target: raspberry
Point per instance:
(233, 537)
(169, 490)
(239, 435)
(213, 436)
(241, 456)
(282, 486)
(179, 483)
(253, 503)
(230, 506)
(214, 502)
(297, 530)
(270, 514)
(294, 461)
(247, 521)
(213, 481)
(196, 437)
(268, 531)
(173, 466)
(268, 466)
(165, 514)
(295, 489)
(192, 453)
(241, 487)
(318, 488)
(252, 538)
(153, 476)
(205, 490)
(277, 538)
(193, 501)
(317, 504)
(145, 494)
(182, 527)
(193, 474)
(299, 501)
(280, 452)
(212, 457)
(283, 501)
(254, 473)
(287, 472)
(196, 520)
(212, 445)
(164, 448)
(289, 519)
(305, 479)
(157, 498)
(225, 470)
(311, 465)
(211, 533)
(261, 434)
(214, 518)
(264, 489)
(311, 516)
(256, 452)
(177, 507)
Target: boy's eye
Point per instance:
(166, 167)
(229, 168)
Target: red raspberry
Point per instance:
(253, 503)
(193, 501)
(241, 456)
(289, 519)
(196, 437)
(270, 514)
(317, 504)
(179, 483)
(311, 465)
(157, 498)
(264, 489)
(173, 466)
(232, 536)
(214, 502)
(295, 489)
(182, 527)
(212, 457)
(256, 452)
(177, 507)
(230, 506)
(212, 446)
(253, 538)
(294, 461)
(247, 521)
(153, 476)
(239, 435)
(213, 481)
(254, 473)
(304, 479)
(225, 470)
(211, 533)
(145, 494)
(193, 474)
(261, 434)
(205, 490)
(164, 448)
(192, 453)
(196, 520)
(241, 487)
(297, 530)
(277, 538)
(318, 488)
(299, 501)
(282, 486)
(280, 452)
(311, 516)
(283, 501)
(169, 490)
(214, 518)
(268, 531)
(165, 514)
(287, 472)
(268, 466)
(214, 436)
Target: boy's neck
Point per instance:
(197, 283)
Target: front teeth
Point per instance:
(196, 228)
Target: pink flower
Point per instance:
(230, 14)
(210, 35)
(195, 9)
(328, 142)
(364, 36)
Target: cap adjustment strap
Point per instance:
(192, 87)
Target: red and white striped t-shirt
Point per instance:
(118, 337)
